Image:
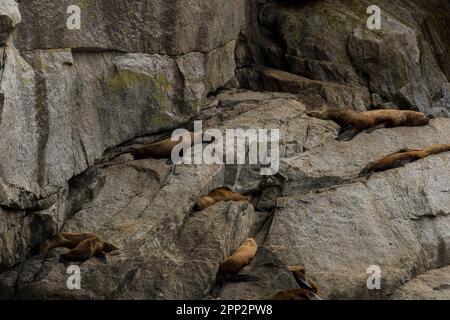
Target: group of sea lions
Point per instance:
(86, 245)
(230, 268)
(82, 246)
(352, 123)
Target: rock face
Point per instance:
(72, 101)
(64, 101)
(432, 285)
(173, 27)
(9, 18)
(397, 221)
(328, 44)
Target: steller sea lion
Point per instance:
(219, 194)
(402, 157)
(300, 276)
(296, 294)
(353, 122)
(231, 266)
(65, 240)
(160, 150)
(88, 248)
(240, 258)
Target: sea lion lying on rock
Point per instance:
(240, 258)
(353, 122)
(230, 267)
(162, 149)
(66, 240)
(87, 249)
(82, 245)
(402, 157)
(219, 194)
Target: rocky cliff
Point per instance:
(136, 70)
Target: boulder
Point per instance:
(432, 285)
(329, 45)
(397, 220)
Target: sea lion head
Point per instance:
(418, 119)
(298, 268)
(109, 247)
(203, 203)
(250, 242)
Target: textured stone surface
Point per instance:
(68, 96)
(432, 285)
(173, 27)
(334, 162)
(328, 44)
(397, 220)
(131, 204)
(9, 18)
(167, 251)
(337, 226)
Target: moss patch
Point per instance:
(126, 79)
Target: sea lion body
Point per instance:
(240, 258)
(296, 294)
(88, 248)
(401, 158)
(436, 149)
(219, 194)
(65, 240)
(230, 267)
(353, 122)
(162, 149)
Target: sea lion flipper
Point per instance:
(101, 256)
(367, 171)
(219, 284)
(376, 127)
(303, 283)
(347, 134)
(402, 162)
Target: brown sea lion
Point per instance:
(300, 276)
(88, 248)
(240, 258)
(162, 149)
(65, 240)
(296, 294)
(353, 122)
(402, 157)
(219, 194)
(230, 267)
